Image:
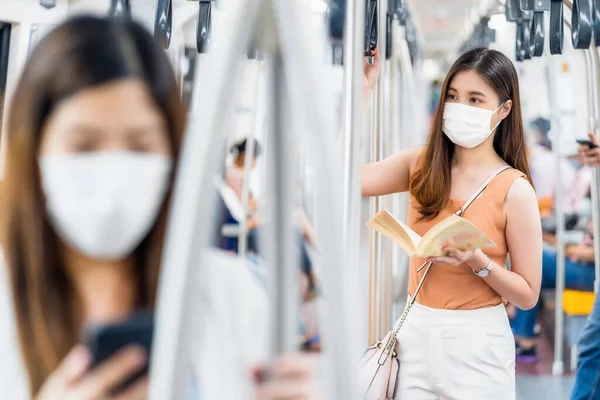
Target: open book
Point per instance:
(454, 231)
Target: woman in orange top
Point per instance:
(456, 342)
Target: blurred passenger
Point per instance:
(542, 163)
(94, 135)
(435, 91)
(236, 172)
(579, 275)
(587, 380)
(457, 342)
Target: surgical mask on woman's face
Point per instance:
(103, 204)
(467, 126)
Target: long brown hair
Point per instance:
(430, 183)
(80, 53)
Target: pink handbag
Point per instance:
(378, 368)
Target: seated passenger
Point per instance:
(95, 130)
(579, 275)
(587, 380)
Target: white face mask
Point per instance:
(467, 126)
(104, 204)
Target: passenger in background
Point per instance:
(236, 173)
(579, 275)
(587, 380)
(435, 92)
(93, 140)
(542, 160)
(234, 178)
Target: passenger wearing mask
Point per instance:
(587, 380)
(456, 342)
(95, 130)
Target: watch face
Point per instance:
(484, 273)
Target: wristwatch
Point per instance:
(485, 272)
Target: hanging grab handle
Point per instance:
(512, 10)
(581, 24)
(537, 34)
(557, 27)
(388, 35)
(596, 20)
(337, 17)
(371, 27)
(48, 4)
(203, 34)
(120, 9)
(163, 23)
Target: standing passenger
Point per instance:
(457, 342)
(587, 380)
(95, 130)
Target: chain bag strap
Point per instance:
(379, 365)
(391, 342)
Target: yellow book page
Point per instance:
(455, 232)
(386, 224)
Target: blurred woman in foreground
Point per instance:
(94, 136)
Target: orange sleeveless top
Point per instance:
(457, 287)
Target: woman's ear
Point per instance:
(505, 109)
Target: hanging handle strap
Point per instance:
(392, 339)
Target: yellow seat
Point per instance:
(576, 302)
(546, 206)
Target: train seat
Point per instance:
(576, 302)
(577, 305)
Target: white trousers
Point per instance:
(456, 355)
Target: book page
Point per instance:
(454, 232)
(386, 224)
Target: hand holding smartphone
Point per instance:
(588, 143)
(112, 361)
(104, 341)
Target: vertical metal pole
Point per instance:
(353, 100)
(313, 104)
(384, 247)
(383, 282)
(243, 234)
(595, 186)
(280, 246)
(375, 250)
(191, 202)
(558, 364)
(392, 202)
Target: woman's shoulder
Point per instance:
(414, 156)
(520, 195)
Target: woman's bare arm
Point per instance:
(391, 175)
(521, 285)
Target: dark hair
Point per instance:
(240, 148)
(430, 184)
(542, 125)
(81, 53)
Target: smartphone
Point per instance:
(587, 143)
(105, 340)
